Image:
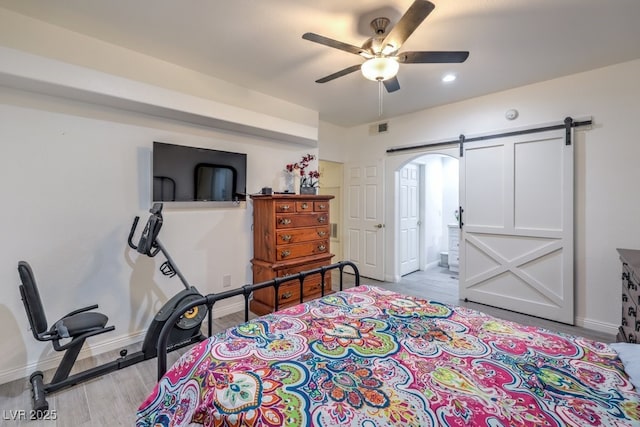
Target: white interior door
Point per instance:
(516, 248)
(409, 219)
(364, 236)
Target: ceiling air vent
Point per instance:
(379, 128)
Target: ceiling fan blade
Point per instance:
(317, 38)
(392, 84)
(413, 17)
(340, 73)
(432, 57)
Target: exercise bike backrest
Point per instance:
(147, 244)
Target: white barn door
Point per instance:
(516, 248)
(409, 219)
(364, 234)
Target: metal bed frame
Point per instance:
(246, 290)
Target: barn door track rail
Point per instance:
(567, 124)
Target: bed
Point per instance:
(371, 357)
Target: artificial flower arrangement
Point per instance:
(307, 179)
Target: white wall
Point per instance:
(72, 177)
(607, 208)
(435, 234)
(440, 200)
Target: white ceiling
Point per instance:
(258, 44)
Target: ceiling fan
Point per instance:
(381, 51)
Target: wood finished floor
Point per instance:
(112, 399)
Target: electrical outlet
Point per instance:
(226, 281)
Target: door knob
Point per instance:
(379, 225)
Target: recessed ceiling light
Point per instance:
(448, 78)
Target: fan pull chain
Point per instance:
(380, 98)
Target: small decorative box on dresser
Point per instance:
(290, 235)
(629, 331)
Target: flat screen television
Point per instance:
(191, 174)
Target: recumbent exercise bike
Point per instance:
(78, 325)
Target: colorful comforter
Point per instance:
(369, 357)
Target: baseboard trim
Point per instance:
(596, 325)
(52, 361)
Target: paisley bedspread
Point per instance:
(369, 357)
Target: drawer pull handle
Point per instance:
(285, 254)
(322, 206)
(322, 248)
(322, 219)
(305, 206)
(285, 221)
(322, 233)
(286, 237)
(286, 295)
(285, 207)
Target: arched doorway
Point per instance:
(427, 206)
(431, 164)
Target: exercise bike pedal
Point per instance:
(40, 404)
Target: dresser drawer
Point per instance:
(321, 206)
(284, 272)
(298, 250)
(304, 206)
(289, 294)
(306, 220)
(312, 284)
(301, 235)
(285, 207)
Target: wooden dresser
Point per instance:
(629, 330)
(290, 234)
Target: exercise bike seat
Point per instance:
(76, 325)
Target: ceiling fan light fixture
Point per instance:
(380, 69)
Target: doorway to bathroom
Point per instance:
(427, 208)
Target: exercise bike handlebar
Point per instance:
(149, 243)
(133, 230)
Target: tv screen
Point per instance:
(187, 174)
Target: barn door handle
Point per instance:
(460, 223)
